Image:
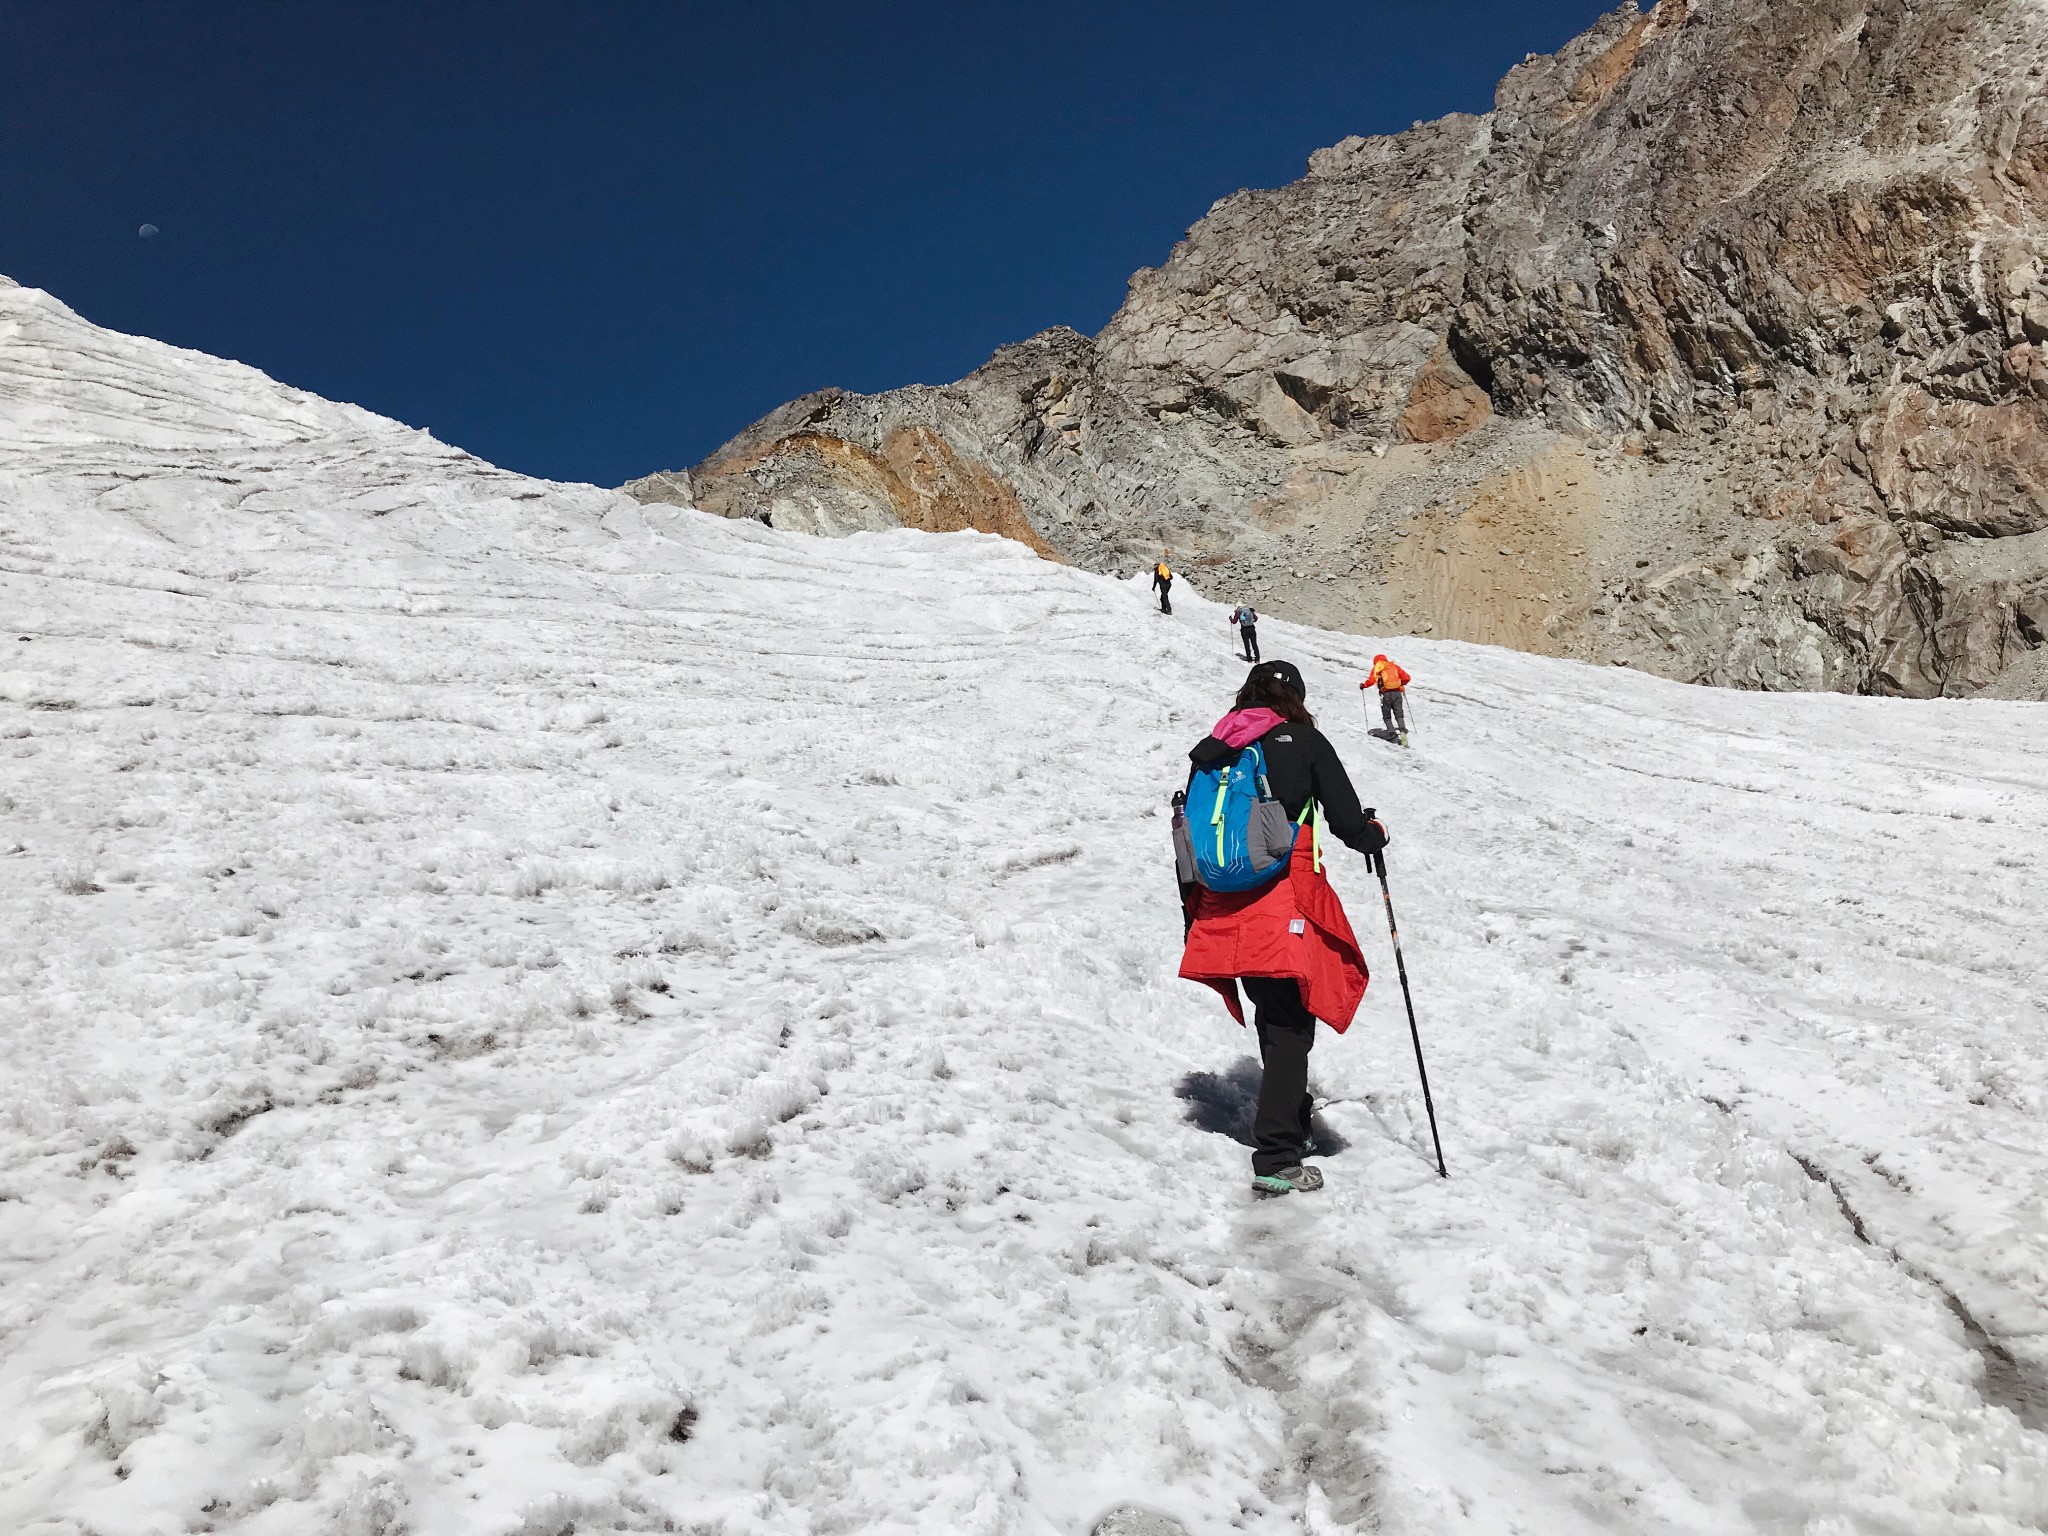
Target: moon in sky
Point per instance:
(146, 231)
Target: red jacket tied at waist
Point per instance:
(1294, 928)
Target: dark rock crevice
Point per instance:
(2006, 1382)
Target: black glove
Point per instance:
(1374, 838)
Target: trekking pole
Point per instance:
(1379, 867)
(1180, 895)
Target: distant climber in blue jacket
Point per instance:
(1246, 618)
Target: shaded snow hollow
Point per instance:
(528, 1013)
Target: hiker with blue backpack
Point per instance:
(1246, 618)
(1260, 913)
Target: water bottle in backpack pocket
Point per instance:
(1232, 835)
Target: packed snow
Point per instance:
(525, 1013)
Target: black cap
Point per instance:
(1281, 672)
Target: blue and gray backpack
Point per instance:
(1231, 834)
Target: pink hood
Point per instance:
(1242, 727)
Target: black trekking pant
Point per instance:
(1394, 711)
(1287, 1031)
(1249, 633)
(1166, 599)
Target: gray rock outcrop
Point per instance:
(1719, 348)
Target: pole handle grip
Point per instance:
(1376, 862)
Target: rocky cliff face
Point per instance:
(1719, 348)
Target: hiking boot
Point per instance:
(1287, 1181)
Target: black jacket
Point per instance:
(1301, 765)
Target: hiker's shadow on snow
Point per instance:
(1224, 1103)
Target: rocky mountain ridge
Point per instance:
(1716, 349)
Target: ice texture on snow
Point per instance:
(524, 1012)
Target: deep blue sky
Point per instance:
(590, 240)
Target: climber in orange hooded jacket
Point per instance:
(1392, 683)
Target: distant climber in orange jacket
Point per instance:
(1162, 583)
(1392, 683)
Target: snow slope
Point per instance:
(529, 1013)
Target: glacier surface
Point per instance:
(527, 1013)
